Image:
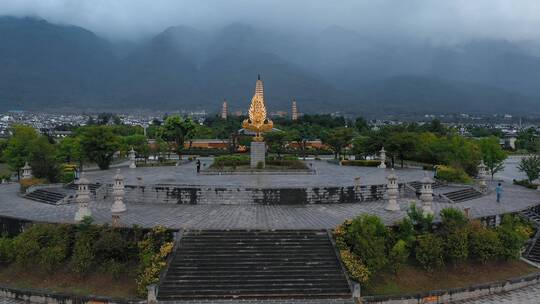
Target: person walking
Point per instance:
(499, 191)
(198, 165)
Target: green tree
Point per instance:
(18, 147)
(338, 139)
(43, 159)
(99, 144)
(367, 237)
(361, 124)
(138, 142)
(276, 141)
(70, 151)
(175, 131)
(531, 167)
(402, 145)
(492, 154)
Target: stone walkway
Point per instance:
(527, 295)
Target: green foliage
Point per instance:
(399, 255)
(402, 145)
(356, 269)
(231, 161)
(453, 175)
(99, 144)
(367, 238)
(138, 142)
(45, 245)
(338, 139)
(421, 221)
(405, 231)
(452, 219)
(7, 250)
(175, 131)
(43, 160)
(512, 239)
(484, 244)
(153, 251)
(19, 145)
(260, 165)
(361, 163)
(531, 167)
(457, 246)
(430, 251)
(276, 141)
(492, 154)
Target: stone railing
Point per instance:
(177, 194)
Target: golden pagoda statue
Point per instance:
(257, 121)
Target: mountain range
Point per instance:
(46, 66)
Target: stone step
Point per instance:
(45, 196)
(254, 264)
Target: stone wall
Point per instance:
(175, 194)
(35, 296)
(457, 294)
(12, 226)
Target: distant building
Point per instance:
(224, 110)
(294, 110)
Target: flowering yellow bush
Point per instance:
(356, 269)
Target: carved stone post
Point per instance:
(132, 164)
(83, 199)
(482, 175)
(392, 193)
(382, 157)
(118, 192)
(426, 195)
(26, 171)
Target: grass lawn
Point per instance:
(412, 279)
(66, 282)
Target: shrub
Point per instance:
(452, 220)
(260, 165)
(46, 245)
(290, 164)
(27, 183)
(231, 161)
(111, 246)
(361, 163)
(6, 250)
(153, 251)
(453, 175)
(421, 221)
(484, 244)
(405, 231)
(525, 183)
(429, 251)
(457, 247)
(367, 238)
(357, 271)
(512, 240)
(399, 255)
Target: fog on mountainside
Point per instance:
(332, 69)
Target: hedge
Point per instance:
(453, 175)
(361, 163)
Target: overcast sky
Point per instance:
(434, 19)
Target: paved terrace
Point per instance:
(327, 175)
(319, 216)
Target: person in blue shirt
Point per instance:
(499, 191)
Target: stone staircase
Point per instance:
(281, 264)
(533, 251)
(74, 186)
(417, 185)
(46, 196)
(462, 195)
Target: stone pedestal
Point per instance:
(258, 153)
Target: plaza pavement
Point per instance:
(327, 175)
